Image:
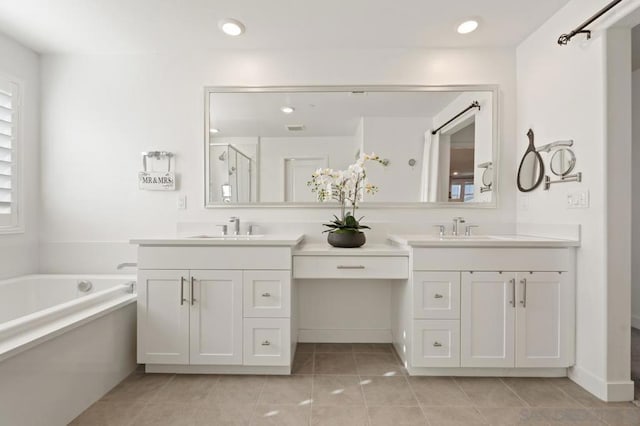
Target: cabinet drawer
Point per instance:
(267, 341)
(436, 343)
(436, 295)
(351, 267)
(267, 294)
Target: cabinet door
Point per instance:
(436, 295)
(436, 343)
(216, 317)
(267, 294)
(487, 319)
(163, 317)
(544, 320)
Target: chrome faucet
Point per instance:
(236, 224)
(457, 221)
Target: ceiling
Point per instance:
(321, 113)
(134, 26)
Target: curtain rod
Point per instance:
(474, 104)
(566, 38)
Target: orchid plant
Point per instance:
(347, 187)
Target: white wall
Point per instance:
(397, 139)
(100, 112)
(635, 249)
(19, 252)
(337, 150)
(562, 94)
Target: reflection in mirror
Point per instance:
(531, 170)
(562, 162)
(487, 179)
(258, 151)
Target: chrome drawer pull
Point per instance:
(193, 298)
(266, 294)
(437, 296)
(350, 267)
(437, 344)
(266, 343)
(523, 302)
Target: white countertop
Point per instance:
(369, 249)
(424, 240)
(271, 240)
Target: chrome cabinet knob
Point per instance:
(266, 343)
(437, 344)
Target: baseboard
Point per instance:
(216, 369)
(344, 335)
(635, 321)
(488, 372)
(606, 391)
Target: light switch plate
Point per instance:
(578, 199)
(182, 202)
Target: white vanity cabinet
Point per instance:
(481, 310)
(520, 320)
(190, 317)
(226, 309)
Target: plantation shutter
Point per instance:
(8, 153)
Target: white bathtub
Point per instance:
(62, 348)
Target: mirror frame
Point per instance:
(572, 161)
(531, 148)
(494, 89)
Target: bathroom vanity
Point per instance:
(476, 305)
(486, 305)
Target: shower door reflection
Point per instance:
(234, 180)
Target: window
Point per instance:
(9, 141)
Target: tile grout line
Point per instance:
(413, 392)
(313, 382)
(150, 400)
(257, 403)
(360, 386)
(473, 405)
(526, 404)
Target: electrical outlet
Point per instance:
(524, 202)
(578, 199)
(182, 202)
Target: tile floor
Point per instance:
(351, 385)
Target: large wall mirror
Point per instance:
(263, 144)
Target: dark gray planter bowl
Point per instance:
(347, 239)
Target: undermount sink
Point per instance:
(229, 237)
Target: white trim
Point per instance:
(215, 369)
(488, 372)
(367, 335)
(606, 391)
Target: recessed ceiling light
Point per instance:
(212, 130)
(468, 26)
(455, 173)
(287, 109)
(231, 27)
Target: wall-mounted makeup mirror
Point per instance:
(487, 179)
(531, 170)
(562, 162)
(263, 144)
